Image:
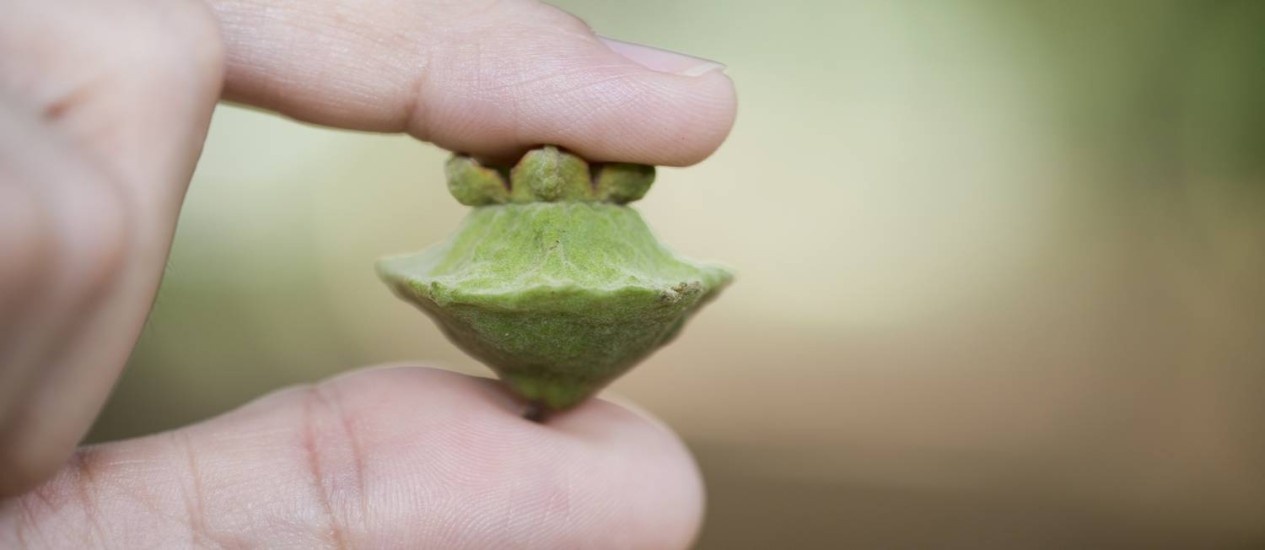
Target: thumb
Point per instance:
(403, 457)
(489, 79)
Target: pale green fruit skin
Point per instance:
(559, 298)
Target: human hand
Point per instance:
(103, 109)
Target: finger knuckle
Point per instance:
(171, 39)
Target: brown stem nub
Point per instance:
(536, 412)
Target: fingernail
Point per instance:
(663, 60)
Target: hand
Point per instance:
(104, 105)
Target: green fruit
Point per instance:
(561, 289)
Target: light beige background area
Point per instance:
(1002, 272)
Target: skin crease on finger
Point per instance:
(115, 115)
(383, 458)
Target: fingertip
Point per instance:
(606, 100)
(660, 477)
(634, 479)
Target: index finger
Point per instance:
(489, 79)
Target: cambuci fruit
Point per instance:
(551, 280)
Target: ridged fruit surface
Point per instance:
(559, 298)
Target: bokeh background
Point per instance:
(1002, 272)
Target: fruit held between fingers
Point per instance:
(551, 280)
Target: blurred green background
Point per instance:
(1002, 272)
